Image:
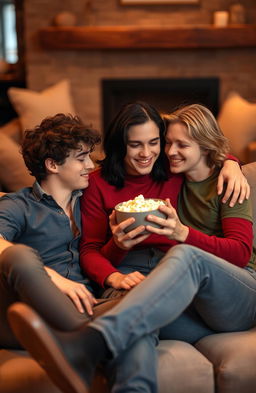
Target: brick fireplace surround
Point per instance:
(234, 67)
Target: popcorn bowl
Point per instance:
(140, 216)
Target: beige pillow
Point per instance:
(13, 172)
(237, 120)
(33, 106)
(13, 130)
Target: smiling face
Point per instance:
(143, 148)
(74, 173)
(184, 154)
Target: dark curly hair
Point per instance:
(54, 138)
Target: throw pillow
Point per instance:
(13, 172)
(33, 106)
(13, 130)
(237, 120)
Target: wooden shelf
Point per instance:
(134, 37)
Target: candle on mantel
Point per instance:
(220, 18)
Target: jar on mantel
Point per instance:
(237, 14)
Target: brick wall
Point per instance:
(85, 69)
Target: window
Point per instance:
(8, 35)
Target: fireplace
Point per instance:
(164, 94)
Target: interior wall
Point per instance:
(85, 69)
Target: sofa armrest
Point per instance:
(232, 355)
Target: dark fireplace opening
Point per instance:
(164, 94)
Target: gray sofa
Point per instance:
(221, 363)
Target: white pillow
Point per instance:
(33, 106)
(237, 120)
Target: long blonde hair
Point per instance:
(203, 128)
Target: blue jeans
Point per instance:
(223, 295)
(189, 326)
(139, 363)
(135, 370)
(137, 366)
(143, 261)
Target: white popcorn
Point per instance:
(140, 204)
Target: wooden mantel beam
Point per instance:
(135, 37)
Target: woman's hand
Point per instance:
(237, 185)
(119, 280)
(171, 227)
(123, 240)
(78, 293)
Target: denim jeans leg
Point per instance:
(188, 327)
(135, 370)
(223, 294)
(143, 261)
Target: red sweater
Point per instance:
(98, 253)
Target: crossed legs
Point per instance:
(23, 278)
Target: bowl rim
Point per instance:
(144, 211)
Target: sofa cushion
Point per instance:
(13, 130)
(233, 356)
(13, 172)
(20, 373)
(237, 119)
(33, 106)
(181, 368)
